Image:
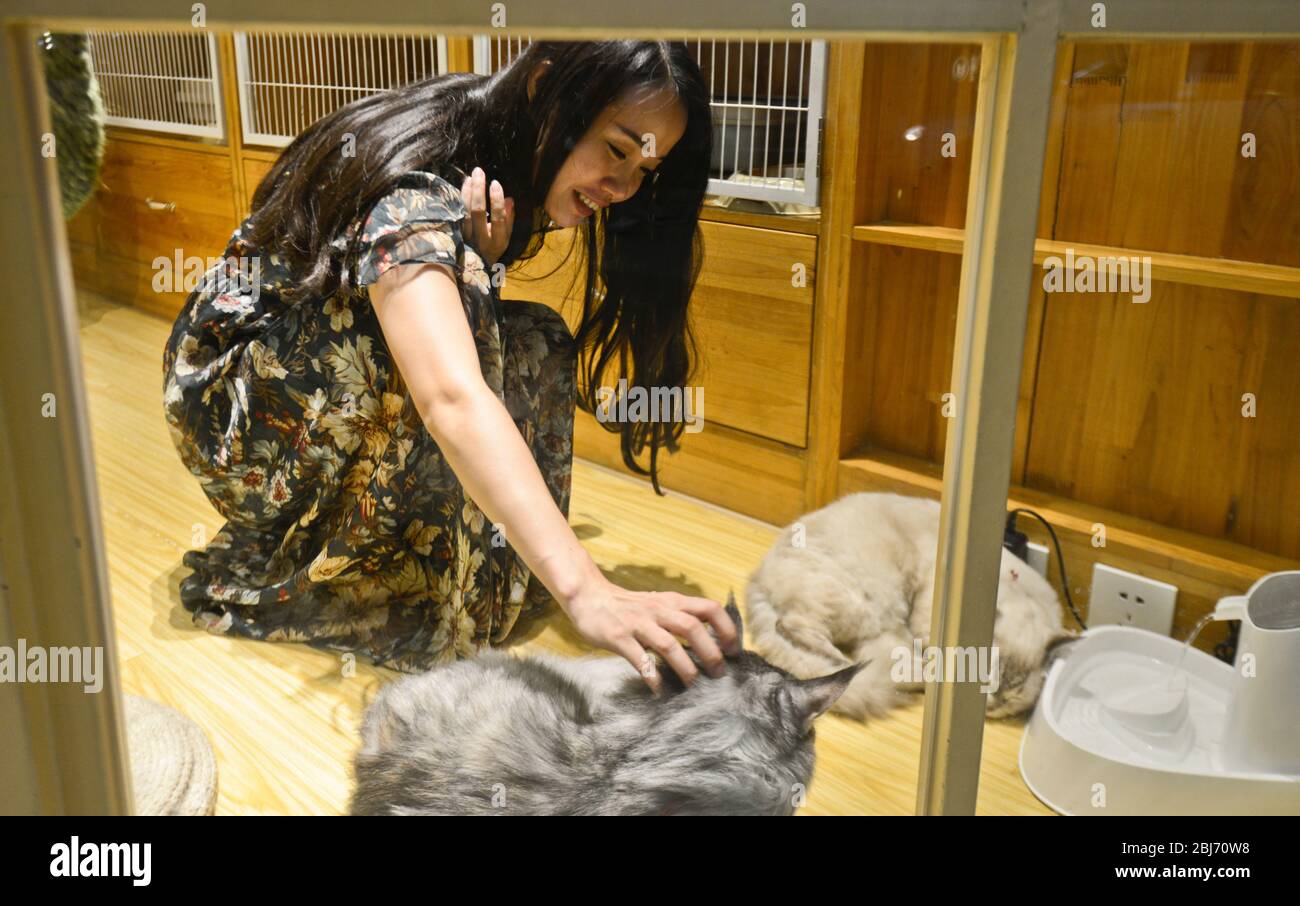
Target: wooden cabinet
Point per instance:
(156, 202)
(753, 320)
(1140, 415)
(752, 316)
(156, 199)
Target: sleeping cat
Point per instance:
(497, 734)
(861, 587)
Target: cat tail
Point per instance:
(787, 639)
(799, 644)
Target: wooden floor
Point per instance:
(283, 718)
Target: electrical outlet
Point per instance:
(1127, 599)
(1038, 558)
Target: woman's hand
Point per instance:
(629, 622)
(489, 239)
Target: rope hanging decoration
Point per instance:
(76, 114)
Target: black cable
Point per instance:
(1226, 650)
(1060, 558)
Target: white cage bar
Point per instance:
(163, 81)
(288, 81)
(767, 122)
(767, 118)
(492, 53)
(51, 536)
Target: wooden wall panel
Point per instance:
(1133, 408)
(1204, 569)
(859, 322)
(1177, 146)
(254, 169)
(1138, 408)
(1152, 154)
(1090, 140)
(137, 175)
(909, 302)
(748, 474)
(898, 361)
(753, 328)
(84, 227)
(918, 92)
(1264, 205)
(130, 281)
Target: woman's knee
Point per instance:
(522, 315)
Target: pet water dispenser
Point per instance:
(1130, 722)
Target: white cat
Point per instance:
(861, 587)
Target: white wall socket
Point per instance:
(1127, 599)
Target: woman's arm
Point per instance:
(423, 321)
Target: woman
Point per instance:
(389, 441)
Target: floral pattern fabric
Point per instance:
(345, 526)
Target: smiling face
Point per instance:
(623, 147)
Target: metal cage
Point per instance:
(287, 82)
(767, 100)
(164, 81)
(491, 54)
(766, 97)
(767, 117)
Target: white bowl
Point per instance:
(1119, 730)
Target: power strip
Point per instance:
(1038, 558)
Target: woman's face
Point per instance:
(624, 146)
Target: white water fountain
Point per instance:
(1130, 722)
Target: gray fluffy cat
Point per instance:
(497, 734)
(861, 588)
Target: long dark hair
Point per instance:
(642, 255)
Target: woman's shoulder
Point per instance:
(417, 220)
(419, 195)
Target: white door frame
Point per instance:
(68, 756)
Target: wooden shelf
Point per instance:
(810, 225)
(1219, 273)
(1203, 568)
(912, 236)
(146, 137)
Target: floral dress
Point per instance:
(345, 526)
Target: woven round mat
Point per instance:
(173, 769)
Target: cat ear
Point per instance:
(734, 612)
(813, 697)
